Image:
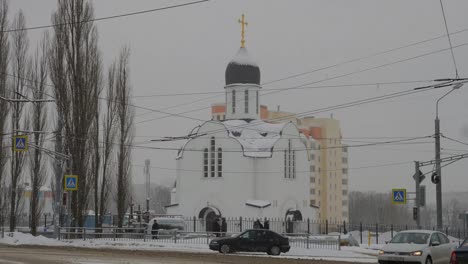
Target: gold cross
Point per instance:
(243, 23)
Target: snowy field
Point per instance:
(349, 254)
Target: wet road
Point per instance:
(55, 255)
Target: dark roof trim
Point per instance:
(171, 205)
(257, 206)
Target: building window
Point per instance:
(246, 101)
(344, 203)
(312, 191)
(289, 162)
(233, 101)
(345, 160)
(345, 170)
(312, 179)
(312, 202)
(312, 156)
(345, 192)
(212, 157)
(344, 181)
(257, 102)
(205, 163)
(312, 168)
(220, 162)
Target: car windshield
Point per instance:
(410, 238)
(465, 243)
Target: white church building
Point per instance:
(242, 166)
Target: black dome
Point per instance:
(242, 69)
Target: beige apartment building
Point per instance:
(328, 160)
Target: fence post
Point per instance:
(308, 226)
(194, 224)
(344, 228)
(360, 230)
(240, 224)
(58, 232)
(207, 239)
(175, 237)
(326, 227)
(377, 233)
(458, 233)
(339, 242)
(391, 230)
(446, 230)
(115, 235)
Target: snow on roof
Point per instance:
(258, 203)
(243, 58)
(257, 138)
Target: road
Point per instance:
(55, 255)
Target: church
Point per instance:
(242, 166)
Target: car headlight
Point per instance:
(381, 252)
(416, 253)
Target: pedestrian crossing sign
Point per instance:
(398, 196)
(20, 143)
(71, 182)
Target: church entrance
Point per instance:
(209, 215)
(291, 217)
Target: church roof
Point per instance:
(242, 69)
(257, 138)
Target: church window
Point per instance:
(289, 162)
(233, 101)
(212, 157)
(205, 163)
(220, 162)
(246, 101)
(257, 101)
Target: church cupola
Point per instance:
(242, 84)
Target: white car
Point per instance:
(417, 246)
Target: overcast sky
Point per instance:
(186, 50)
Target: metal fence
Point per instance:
(298, 240)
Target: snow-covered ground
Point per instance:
(350, 254)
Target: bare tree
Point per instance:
(125, 117)
(108, 135)
(4, 105)
(75, 69)
(37, 81)
(20, 44)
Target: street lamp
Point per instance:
(437, 177)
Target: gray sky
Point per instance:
(186, 50)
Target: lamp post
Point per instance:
(437, 177)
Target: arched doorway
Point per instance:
(209, 215)
(292, 215)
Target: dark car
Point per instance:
(255, 240)
(460, 255)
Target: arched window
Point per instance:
(205, 163)
(220, 162)
(246, 101)
(212, 156)
(289, 162)
(233, 101)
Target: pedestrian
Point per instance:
(257, 224)
(154, 229)
(216, 227)
(223, 227)
(266, 224)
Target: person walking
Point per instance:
(223, 227)
(257, 224)
(266, 224)
(216, 227)
(154, 229)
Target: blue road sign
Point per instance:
(71, 182)
(20, 143)
(398, 196)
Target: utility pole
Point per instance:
(148, 184)
(417, 178)
(438, 178)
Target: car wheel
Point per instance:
(428, 260)
(224, 249)
(275, 250)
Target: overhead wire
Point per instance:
(449, 40)
(105, 18)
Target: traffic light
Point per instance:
(435, 178)
(422, 195)
(64, 199)
(415, 213)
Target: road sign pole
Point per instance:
(416, 202)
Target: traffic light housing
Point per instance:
(415, 213)
(422, 195)
(435, 178)
(64, 199)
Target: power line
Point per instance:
(449, 40)
(454, 140)
(106, 18)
